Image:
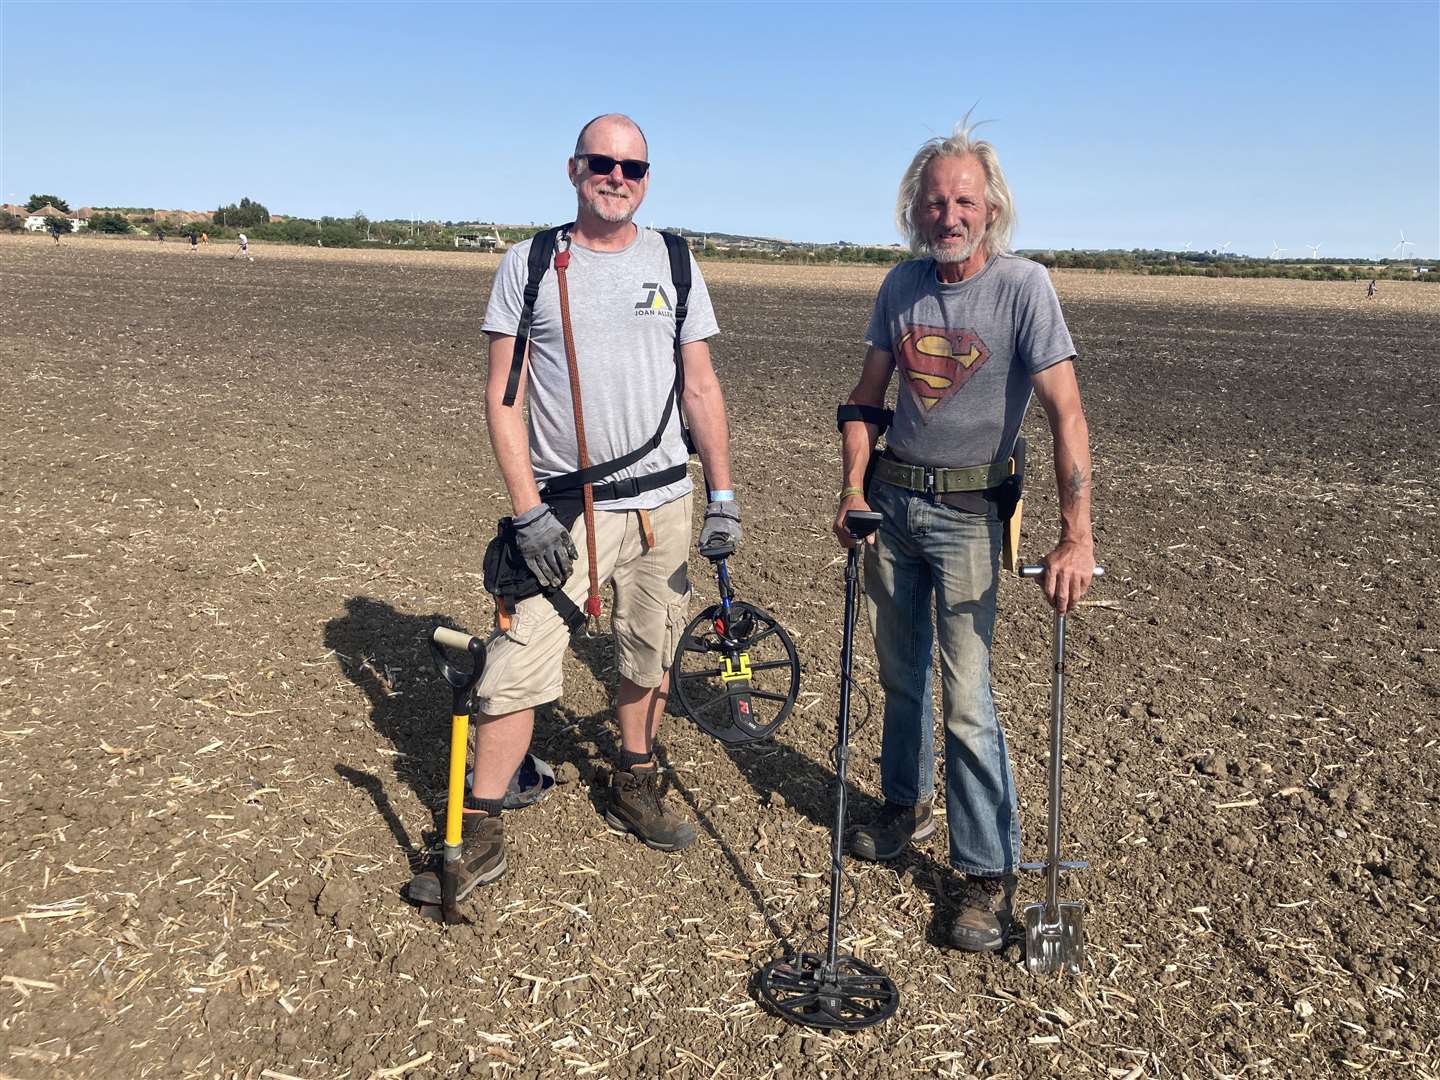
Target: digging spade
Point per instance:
(1055, 929)
(461, 682)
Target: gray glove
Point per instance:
(722, 525)
(545, 545)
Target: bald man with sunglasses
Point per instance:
(621, 313)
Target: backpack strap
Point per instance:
(680, 275)
(542, 250)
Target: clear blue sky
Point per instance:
(1120, 125)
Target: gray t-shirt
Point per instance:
(622, 312)
(965, 353)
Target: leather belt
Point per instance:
(941, 481)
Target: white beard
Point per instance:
(951, 254)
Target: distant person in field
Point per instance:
(1370, 290)
(55, 232)
(244, 245)
(972, 332)
(194, 241)
(622, 307)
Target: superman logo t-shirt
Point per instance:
(964, 354)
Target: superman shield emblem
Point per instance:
(937, 362)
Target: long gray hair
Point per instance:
(997, 191)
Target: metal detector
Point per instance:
(461, 683)
(835, 991)
(753, 688)
(1055, 929)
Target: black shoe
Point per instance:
(636, 806)
(482, 860)
(893, 828)
(987, 906)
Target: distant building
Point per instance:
(35, 222)
(476, 237)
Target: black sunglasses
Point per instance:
(601, 165)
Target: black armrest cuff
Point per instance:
(868, 414)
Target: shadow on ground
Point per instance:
(385, 653)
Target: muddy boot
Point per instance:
(892, 831)
(482, 859)
(986, 909)
(636, 806)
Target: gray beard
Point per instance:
(611, 217)
(952, 257)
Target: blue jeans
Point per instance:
(926, 549)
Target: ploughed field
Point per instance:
(236, 496)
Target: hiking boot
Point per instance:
(482, 860)
(636, 806)
(986, 912)
(893, 828)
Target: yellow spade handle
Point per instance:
(455, 806)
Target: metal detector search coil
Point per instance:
(735, 673)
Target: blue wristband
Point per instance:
(723, 495)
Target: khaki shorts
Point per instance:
(648, 611)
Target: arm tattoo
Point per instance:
(1079, 481)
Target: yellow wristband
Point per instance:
(845, 493)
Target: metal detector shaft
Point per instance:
(842, 748)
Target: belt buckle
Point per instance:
(628, 488)
(929, 480)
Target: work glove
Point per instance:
(545, 545)
(722, 525)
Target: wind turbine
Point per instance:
(1402, 245)
(1186, 249)
(1276, 250)
(1225, 246)
(1314, 250)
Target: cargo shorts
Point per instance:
(648, 610)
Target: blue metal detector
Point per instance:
(735, 672)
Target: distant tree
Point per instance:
(293, 230)
(244, 214)
(9, 222)
(110, 223)
(57, 224)
(36, 202)
(340, 232)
